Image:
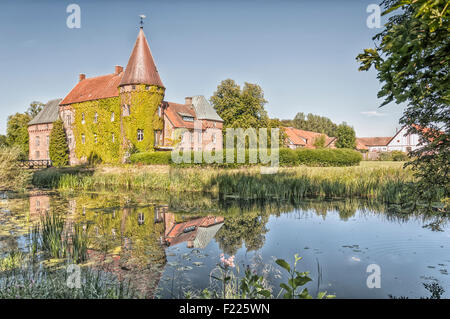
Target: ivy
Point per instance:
(110, 138)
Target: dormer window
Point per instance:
(188, 118)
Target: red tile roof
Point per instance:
(141, 68)
(374, 141)
(298, 137)
(360, 145)
(99, 87)
(173, 110)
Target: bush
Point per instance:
(288, 157)
(393, 156)
(12, 176)
(149, 158)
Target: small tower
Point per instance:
(141, 93)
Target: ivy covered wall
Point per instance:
(104, 128)
(109, 136)
(144, 101)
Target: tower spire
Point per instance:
(141, 68)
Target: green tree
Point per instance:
(34, 108)
(320, 141)
(314, 123)
(346, 137)
(3, 140)
(12, 176)
(58, 149)
(17, 131)
(240, 108)
(411, 58)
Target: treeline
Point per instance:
(17, 128)
(314, 123)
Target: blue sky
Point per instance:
(302, 53)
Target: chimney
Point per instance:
(118, 69)
(188, 100)
(81, 77)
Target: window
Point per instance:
(214, 138)
(199, 135)
(95, 117)
(113, 138)
(126, 110)
(112, 117)
(214, 124)
(48, 139)
(140, 135)
(82, 118)
(37, 141)
(159, 111)
(95, 138)
(37, 155)
(83, 139)
(68, 119)
(147, 87)
(188, 118)
(133, 87)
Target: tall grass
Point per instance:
(384, 183)
(51, 229)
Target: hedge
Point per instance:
(287, 157)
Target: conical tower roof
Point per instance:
(141, 68)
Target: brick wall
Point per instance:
(39, 139)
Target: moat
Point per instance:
(169, 244)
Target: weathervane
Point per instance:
(142, 20)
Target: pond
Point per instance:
(170, 244)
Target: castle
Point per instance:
(112, 115)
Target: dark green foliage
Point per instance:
(411, 58)
(346, 137)
(58, 149)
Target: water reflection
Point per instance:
(138, 236)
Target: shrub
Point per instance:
(288, 157)
(393, 156)
(12, 176)
(58, 149)
(158, 158)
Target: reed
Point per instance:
(383, 182)
(52, 228)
